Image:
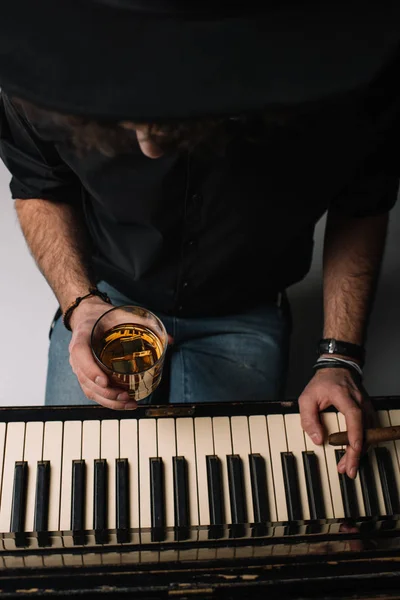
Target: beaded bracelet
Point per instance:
(93, 291)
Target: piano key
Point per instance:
(259, 443)
(78, 501)
(236, 489)
(42, 497)
(185, 446)
(330, 424)
(128, 448)
(100, 501)
(314, 487)
(148, 449)
(259, 488)
(277, 440)
(357, 481)
(166, 450)
(32, 455)
(394, 419)
(241, 447)
(203, 430)
(384, 420)
(290, 477)
(14, 451)
(388, 482)
(368, 487)
(52, 452)
(348, 491)
(109, 450)
(296, 445)
(215, 494)
(18, 508)
(122, 499)
(71, 451)
(223, 447)
(157, 499)
(319, 452)
(181, 497)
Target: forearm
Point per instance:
(353, 251)
(57, 239)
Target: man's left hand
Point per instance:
(336, 387)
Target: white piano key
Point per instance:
(394, 417)
(52, 451)
(148, 449)
(204, 446)
(90, 453)
(377, 479)
(223, 448)
(109, 450)
(241, 446)
(330, 423)
(186, 447)
(323, 470)
(357, 482)
(296, 444)
(2, 448)
(166, 448)
(128, 448)
(32, 454)
(259, 441)
(385, 421)
(72, 442)
(14, 451)
(277, 440)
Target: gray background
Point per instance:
(27, 306)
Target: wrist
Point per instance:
(333, 347)
(70, 314)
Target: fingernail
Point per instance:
(353, 472)
(101, 381)
(341, 468)
(130, 405)
(123, 396)
(315, 437)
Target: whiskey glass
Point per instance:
(129, 345)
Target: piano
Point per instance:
(212, 501)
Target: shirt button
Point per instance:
(190, 243)
(185, 284)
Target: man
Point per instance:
(180, 159)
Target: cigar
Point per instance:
(371, 436)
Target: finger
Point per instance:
(108, 393)
(82, 361)
(309, 413)
(170, 339)
(341, 466)
(354, 425)
(113, 404)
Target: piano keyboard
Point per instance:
(173, 478)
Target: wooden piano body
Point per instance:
(96, 502)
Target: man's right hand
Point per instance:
(94, 382)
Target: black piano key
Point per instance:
(41, 516)
(291, 482)
(348, 491)
(236, 490)
(215, 493)
(100, 501)
(122, 499)
(313, 484)
(388, 481)
(368, 487)
(157, 499)
(78, 501)
(18, 508)
(181, 497)
(259, 488)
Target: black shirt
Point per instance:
(195, 234)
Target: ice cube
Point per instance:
(132, 344)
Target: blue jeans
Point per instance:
(241, 357)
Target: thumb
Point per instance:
(309, 413)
